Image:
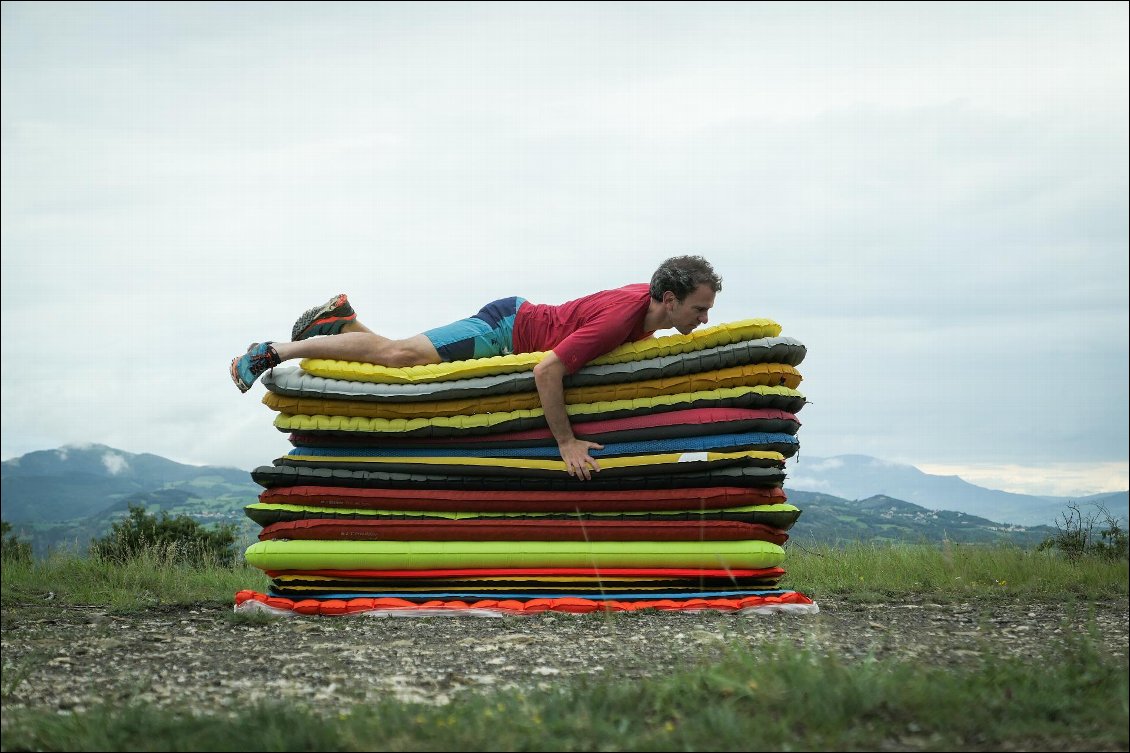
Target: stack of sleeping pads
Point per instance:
(439, 489)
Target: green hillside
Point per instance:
(66, 497)
(832, 520)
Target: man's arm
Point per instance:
(549, 375)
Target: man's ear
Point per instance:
(669, 297)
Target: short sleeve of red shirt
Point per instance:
(584, 329)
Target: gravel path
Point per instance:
(206, 658)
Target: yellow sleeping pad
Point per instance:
(305, 511)
(664, 462)
(722, 334)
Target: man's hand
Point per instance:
(578, 462)
(548, 375)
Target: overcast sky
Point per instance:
(931, 197)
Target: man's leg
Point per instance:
(355, 326)
(363, 345)
(336, 318)
(487, 333)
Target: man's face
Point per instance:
(693, 310)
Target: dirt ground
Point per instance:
(206, 658)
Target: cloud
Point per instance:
(1053, 479)
(807, 484)
(115, 463)
(829, 464)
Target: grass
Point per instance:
(771, 697)
(949, 572)
(154, 578)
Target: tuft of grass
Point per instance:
(12, 675)
(249, 618)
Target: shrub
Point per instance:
(180, 539)
(1098, 534)
(13, 549)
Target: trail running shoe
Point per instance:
(327, 319)
(247, 368)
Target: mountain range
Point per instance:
(862, 476)
(74, 493)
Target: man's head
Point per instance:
(685, 285)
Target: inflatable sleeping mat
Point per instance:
(785, 444)
(609, 589)
(481, 528)
(777, 516)
(436, 574)
(654, 347)
(656, 426)
(780, 398)
(610, 468)
(596, 593)
(581, 500)
(311, 582)
(550, 578)
(770, 375)
(792, 602)
(296, 382)
(729, 474)
(347, 555)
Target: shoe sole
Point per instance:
(235, 375)
(315, 318)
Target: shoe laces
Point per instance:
(260, 362)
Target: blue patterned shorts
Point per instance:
(488, 333)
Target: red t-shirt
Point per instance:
(581, 330)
